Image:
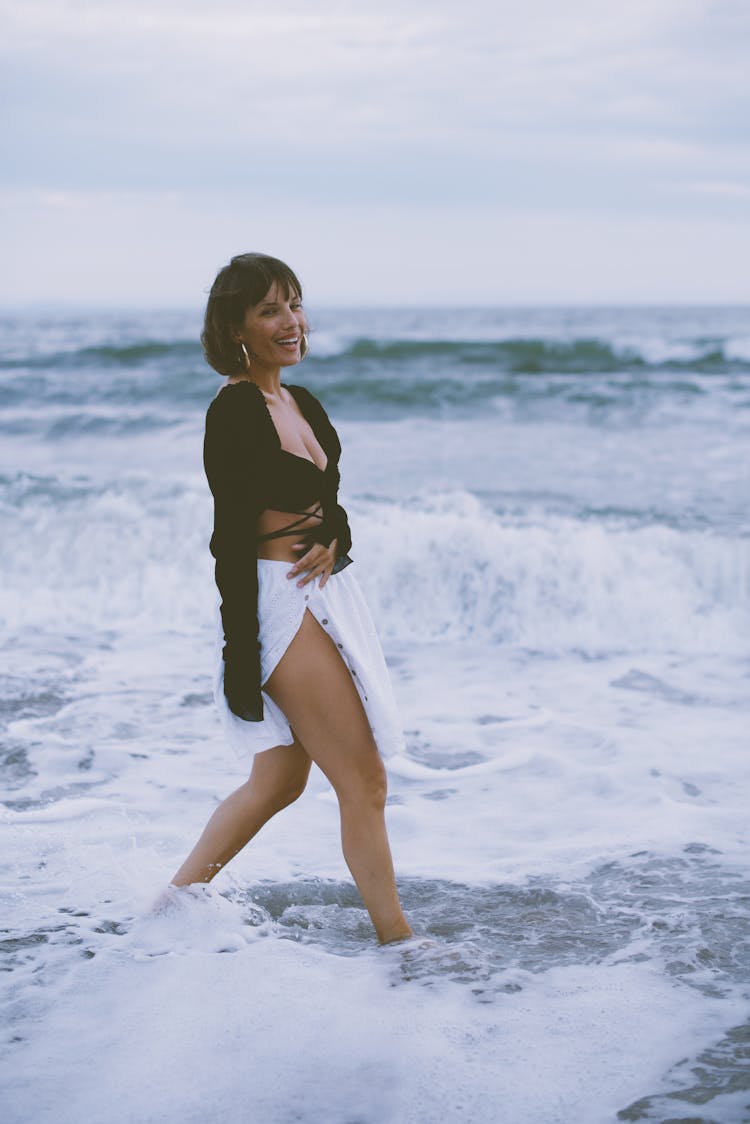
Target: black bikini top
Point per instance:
(291, 483)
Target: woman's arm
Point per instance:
(232, 457)
(335, 523)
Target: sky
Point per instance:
(414, 152)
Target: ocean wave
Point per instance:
(516, 355)
(122, 375)
(438, 568)
(132, 354)
(549, 356)
(59, 423)
(390, 394)
(554, 582)
(56, 406)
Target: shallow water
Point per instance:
(549, 511)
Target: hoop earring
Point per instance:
(245, 356)
(304, 346)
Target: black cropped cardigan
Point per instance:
(248, 472)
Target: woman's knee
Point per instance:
(366, 785)
(292, 791)
(285, 791)
(279, 792)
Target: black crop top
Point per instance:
(249, 472)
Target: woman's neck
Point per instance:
(267, 379)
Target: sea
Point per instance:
(551, 524)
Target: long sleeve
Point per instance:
(335, 523)
(232, 459)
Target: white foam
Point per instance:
(280, 1032)
(738, 347)
(459, 572)
(453, 569)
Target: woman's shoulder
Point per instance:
(235, 401)
(307, 401)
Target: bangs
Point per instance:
(254, 274)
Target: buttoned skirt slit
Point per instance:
(341, 610)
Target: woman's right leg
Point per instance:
(278, 777)
(313, 687)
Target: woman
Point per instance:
(301, 677)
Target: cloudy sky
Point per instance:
(422, 151)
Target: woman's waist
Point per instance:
(278, 531)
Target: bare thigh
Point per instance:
(313, 687)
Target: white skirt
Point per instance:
(340, 609)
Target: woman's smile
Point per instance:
(291, 343)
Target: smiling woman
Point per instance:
(247, 299)
(302, 677)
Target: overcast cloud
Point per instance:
(579, 150)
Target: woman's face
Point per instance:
(272, 330)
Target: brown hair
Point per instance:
(238, 286)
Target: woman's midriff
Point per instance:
(280, 549)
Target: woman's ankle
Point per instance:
(402, 932)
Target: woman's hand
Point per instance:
(318, 562)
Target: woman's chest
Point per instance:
(296, 435)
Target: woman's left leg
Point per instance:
(313, 687)
(278, 777)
